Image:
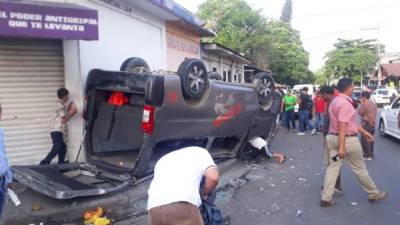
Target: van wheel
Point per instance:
(382, 128)
(135, 63)
(265, 87)
(214, 76)
(194, 79)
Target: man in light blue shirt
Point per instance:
(5, 172)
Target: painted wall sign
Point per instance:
(179, 45)
(59, 21)
(118, 5)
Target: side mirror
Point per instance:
(386, 107)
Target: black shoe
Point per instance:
(325, 204)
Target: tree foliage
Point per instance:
(321, 77)
(237, 25)
(286, 55)
(351, 58)
(286, 15)
(269, 43)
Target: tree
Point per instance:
(270, 44)
(286, 15)
(321, 77)
(286, 54)
(351, 58)
(237, 25)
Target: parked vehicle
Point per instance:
(135, 116)
(311, 88)
(388, 120)
(382, 96)
(357, 96)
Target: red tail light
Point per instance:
(148, 119)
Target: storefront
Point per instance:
(183, 41)
(228, 63)
(50, 44)
(32, 69)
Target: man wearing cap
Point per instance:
(343, 143)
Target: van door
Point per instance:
(392, 118)
(70, 180)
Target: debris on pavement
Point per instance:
(354, 203)
(299, 213)
(302, 179)
(238, 182)
(292, 167)
(275, 207)
(36, 207)
(95, 217)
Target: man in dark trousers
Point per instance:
(288, 103)
(367, 112)
(64, 110)
(305, 106)
(343, 143)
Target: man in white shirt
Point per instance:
(64, 110)
(174, 193)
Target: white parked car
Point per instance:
(382, 96)
(311, 88)
(388, 120)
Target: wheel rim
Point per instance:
(196, 79)
(382, 128)
(265, 89)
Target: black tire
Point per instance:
(194, 78)
(134, 63)
(382, 128)
(214, 76)
(265, 87)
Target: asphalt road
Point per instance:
(289, 194)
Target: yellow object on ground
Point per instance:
(102, 221)
(95, 217)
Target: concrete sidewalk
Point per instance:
(126, 205)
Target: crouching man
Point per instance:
(174, 197)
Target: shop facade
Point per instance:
(52, 43)
(228, 63)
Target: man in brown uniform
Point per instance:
(367, 112)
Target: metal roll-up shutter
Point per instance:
(31, 71)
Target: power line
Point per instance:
(341, 32)
(345, 11)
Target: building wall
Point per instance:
(181, 44)
(223, 65)
(121, 35)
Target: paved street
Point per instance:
(275, 193)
